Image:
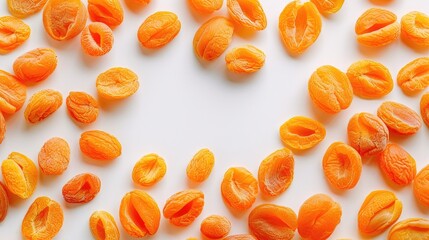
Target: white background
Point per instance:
(183, 105)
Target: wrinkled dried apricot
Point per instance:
(206, 6)
(184, 207)
(399, 118)
(378, 212)
(397, 164)
(200, 166)
(421, 186)
(330, 89)
(302, 133)
(20, 175)
(299, 25)
(64, 19)
(342, 166)
(269, 221)
(377, 27)
(328, 6)
(213, 38)
(410, 228)
(42, 104)
(103, 226)
(215, 227)
(318, 217)
(240, 237)
(82, 107)
(239, 188)
(149, 170)
(12, 93)
(367, 134)
(139, 214)
(81, 188)
(415, 28)
(100, 145)
(54, 157)
(109, 12)
(13, 33)
(158, 29)
(35, 65)
(2, 127)
(117, 83)
(245, 59)
(247, 13)
(96, 39)
(276, 172)
(25, 8)
(4, 202)
(414, 77)
(424, 108)
(370, 79)
(43, 219)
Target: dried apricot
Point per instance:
(330, 89)
(20, 175)
(239, 188)
(158, 29)
(81, 188)
(97, 39)
(414, 77)
(13, 33)
(139, 214)
(269, 221)
(424, 108)
(421, 186)
(342, 166)
(43, 219)
(399, 118)
(302, 133)
(42, 104)
(410, 228)
(240, 237)
(397, 164)
(4, 202)
(206, 6)
(213, 38)
(12, 93)
(100, 145)
(245, 59)
(35, 65)
(367, 134)
(2, 127)
(415, 28)
(247, 13)
(201, 165)
(318, 217)
(103, 226)
(149, 170)
(378, 212)
(184, 207)
(299, 25)
(25, 8)
(82, 107)
(109, 12)
(370, 79)
(328, 6)
(377, 27)
(117, 83)
(54, 157)
(215, 227)
(276, 171)
(64, 19)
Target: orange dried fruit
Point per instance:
(149, 170)
(139, 214)
(239, 188)
(370, 79)
(377, 27)
(43, 219)
(13, 33)
(424, 108)
(159, 29)
(421, 186)
(42, 104)
(20, 175)
(269, 221)
(81, 188)
(100, 145)
(330, 89)
(2, 127)
(328, 6)
(82, 107)
(240, 237)
(247, 13)
(96, 39)
(213, 38)
(397, 164)
(299, 25)
(215, 227)
(410, 228)
(367, 134)
(302, 133)
(54, 157)
(200, 166)
(414, 77)
(35, 65)
(415, 28)
(12, 93)
(64, 19)
(399, 118)
(318, 217)
(276, 172)
(378, 212)
(109, 12)
(4, 202)
(245, 59)
(117, 83)
(206, 6)
(103, 226)
(184, 207)
(25, 8)
(342, 166)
